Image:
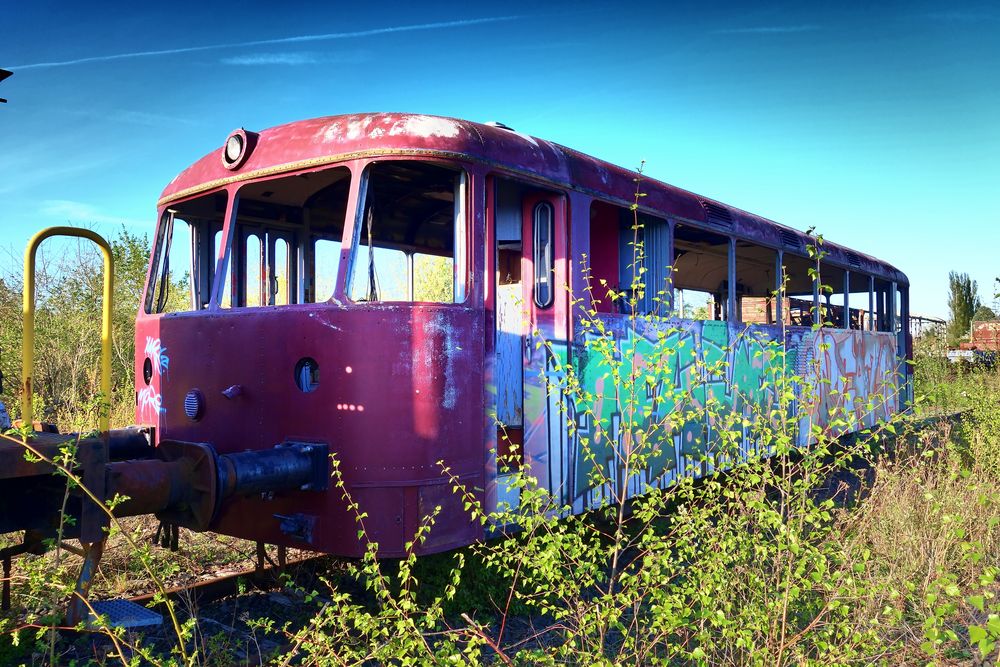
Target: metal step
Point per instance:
(123, 613)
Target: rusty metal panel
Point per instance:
(401, 388)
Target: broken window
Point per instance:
(801, 291)
(756, 283)
(849, 301)
(287, 238)
(411, 235)
(326, 259)
(701, 274)
(889, 307)
(183, 255)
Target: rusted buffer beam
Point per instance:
(187, 482)
(183, 483)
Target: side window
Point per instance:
(411, 235)
(900, 309)
(701, 274)
(253, 271)
(280, 289)
(183, 262)
(831, 295)
(886, 307)
(624, 245)
(849, 300)
(756, 283)
(542, 260)
(798, 308)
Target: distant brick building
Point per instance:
(985, 336)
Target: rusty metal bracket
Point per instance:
(299, 526)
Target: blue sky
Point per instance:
(879, 126)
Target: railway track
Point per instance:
(263, 577)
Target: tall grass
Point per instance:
(882, 549)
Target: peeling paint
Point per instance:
(356, 129)
(331, 132)
(439, 325)
(425, 126)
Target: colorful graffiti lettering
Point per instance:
(685, 367)
(861, 372)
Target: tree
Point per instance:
(984, 313)
(963, 301)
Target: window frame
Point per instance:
(300, 237)
(461, 256)
(201, 266)
(542, 266)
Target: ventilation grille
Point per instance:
(718, 215)
(790, 238)
(193, 404)
(854, 259)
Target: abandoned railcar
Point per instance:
(375, 282)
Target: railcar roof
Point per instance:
(318, 141)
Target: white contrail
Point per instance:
(767, 30)
(262, 42)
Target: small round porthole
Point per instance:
(147, 370)
(194, 405)
(307, 374)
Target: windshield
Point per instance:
(183, 258)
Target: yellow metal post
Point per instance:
(28, 336)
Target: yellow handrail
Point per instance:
(28, 336)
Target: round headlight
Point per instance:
(239, 144)
(234, 146)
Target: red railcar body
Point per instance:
(402, 387)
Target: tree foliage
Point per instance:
(963, 301)
(67, 330)
(984, 313)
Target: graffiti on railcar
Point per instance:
(689, 373)
(861, 376)
(149, 398)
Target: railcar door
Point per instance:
(532, 326)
